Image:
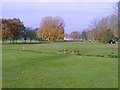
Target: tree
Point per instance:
(0, 28)
(90, 35)
(51, 28)
(29, 33)
(75, 35)
(113, 24)
(105, 26)
(105, 36)
(5, 30)
(83, 35)
(94, 28)
(11, 28)
(118, 17)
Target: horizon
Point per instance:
(77, 15)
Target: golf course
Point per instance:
(41, 66)
(59, 44)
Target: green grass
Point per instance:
(39, 66)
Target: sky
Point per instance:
(59, 0)
(76, 15)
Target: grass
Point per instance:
(39, 66)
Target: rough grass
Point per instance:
(39, 66)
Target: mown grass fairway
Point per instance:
(39, 65)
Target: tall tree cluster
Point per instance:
(105, 28)
(51, 28)
(29, 33)
(11, 28)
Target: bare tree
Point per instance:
(106, 28)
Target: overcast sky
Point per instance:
(77, 15)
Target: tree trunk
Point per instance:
(3, 41)
(16, 41)
(10, 40)
(99, 40)
(39, 40)
(13, 41)
(25, 40)
(30, 40)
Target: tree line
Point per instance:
(101, 30)
(51, 28)
(105, 28)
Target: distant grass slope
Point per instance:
(40, 66)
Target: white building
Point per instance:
(68, 38)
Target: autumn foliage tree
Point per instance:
(75, 34)
(11, 28)
(51, 28)
(5, 30)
